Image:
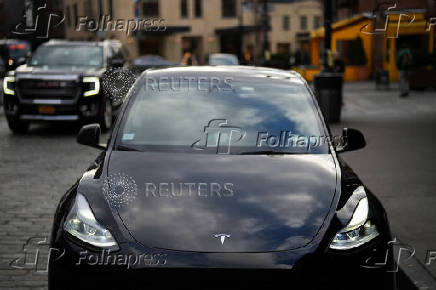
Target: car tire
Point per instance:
(106, 116)
(17, 126)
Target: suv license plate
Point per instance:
(46, 110)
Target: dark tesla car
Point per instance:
(62, 82)
(220, 178)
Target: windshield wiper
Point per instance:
(269, 152)
(126, 148)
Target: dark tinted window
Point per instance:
(198, 8)
(184, 8)
(286, 22)
(303, 22)
(150, 7)
(228, 8)
(110, 7)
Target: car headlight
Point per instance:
(8, 85)
(359, 229)
(92, 86)
(82, 224)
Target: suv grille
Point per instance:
(47, 89)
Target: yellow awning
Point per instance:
(338, 25)
(418, 26)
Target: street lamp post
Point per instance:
(328, 7)
(328, 85)
(265, 25)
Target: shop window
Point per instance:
(228, 8)
(150, 8)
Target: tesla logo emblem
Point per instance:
(222, 237)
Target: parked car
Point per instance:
(205, 189)
(14, 52)
(223, 59)
(2, 68)
(61, 82)
(145, 62)
(2, 75)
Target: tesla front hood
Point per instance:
(221, 203)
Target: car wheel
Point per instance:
(106, 116)
(17, 126)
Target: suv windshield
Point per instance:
(249, 115)
(68, 55)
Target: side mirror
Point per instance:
(352, 139)
(21, 61)
(90, 135)
(117, 62)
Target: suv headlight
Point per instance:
(82, 224)
(359, 230)
(92, 86)
(8, 85)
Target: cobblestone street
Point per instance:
(35, 170)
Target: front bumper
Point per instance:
(81, 268)
(84, 109)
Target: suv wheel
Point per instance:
(106, 116)
(17, 126)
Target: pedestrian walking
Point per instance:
(189, 59)
(404, 61)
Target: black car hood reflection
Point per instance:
(278, 202)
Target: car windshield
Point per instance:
(245, 116)
(68, 55)
(223, 60)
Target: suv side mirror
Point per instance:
(90, 135)
(352, 140)
(21, 61)
(117, 62)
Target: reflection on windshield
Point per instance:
(222, 61)
(259, 116)
(53, 56)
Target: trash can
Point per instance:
(381, 79)
(328, 91)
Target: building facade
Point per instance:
(202, 27)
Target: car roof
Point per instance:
(55, 42)
(236, 72)
(222, 55)
(12, 41)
